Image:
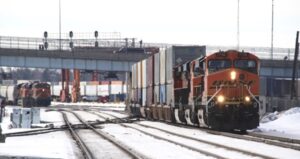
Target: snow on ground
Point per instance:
(51, 145)
(285, 124)
(149, 146)
(120, 105)
(260, 148)
(61, 145)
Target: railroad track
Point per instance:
(86, 150)
(270, 140)
(253, 154)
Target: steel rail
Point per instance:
(282, 142)
(202, 141)
(120, 145)
(85, 150)
(171, 141)
(208, 142)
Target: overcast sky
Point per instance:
(212, 22)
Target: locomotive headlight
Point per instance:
(233, 75)
(220, 99)
(247, 99)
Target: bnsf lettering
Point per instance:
(227, 83)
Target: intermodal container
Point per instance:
(162, 94)
(156, 69)
(150, 69)
(156, 94)
(139, 74)
(103, 90)
(144, 96)
(170, 94)
(177, 55)
(91, 90)
(133, 76)
(82, 90)
(116, 87)
(162, 66)
(150, 81)
(144, 73)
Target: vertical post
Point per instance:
(238, 26)
(272, 29)
(293, 89)
(59, 25)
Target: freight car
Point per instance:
(10, 93)
(220, 90)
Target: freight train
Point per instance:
(96, 91)
(219, 91)
(27, 94)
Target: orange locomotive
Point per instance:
(34, 94)
(218, 91)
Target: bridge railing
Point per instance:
(54, 44)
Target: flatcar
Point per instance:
(219, 91)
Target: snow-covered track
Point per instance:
(268, 140)
(85, 150)
(33, 132)
(130, 152)
(208, 142)
(278, 141)
(189, 138)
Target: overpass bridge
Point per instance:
(115, 54)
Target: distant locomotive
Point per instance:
(220, 91)
(28, 94)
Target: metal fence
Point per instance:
(54, 44)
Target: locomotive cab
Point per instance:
(231, 91)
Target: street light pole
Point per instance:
(272, 29)
(59, 25)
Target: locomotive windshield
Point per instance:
(248, 65)
(217, 65)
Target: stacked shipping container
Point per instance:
(157, 91)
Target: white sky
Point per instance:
(212, 22)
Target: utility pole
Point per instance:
(272, 29)
(59, 25)
(238, 25)
(293, 88)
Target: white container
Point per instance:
(144, 73)
(156, 69)
(11, 93)
(91, 90)
(133, 76)
(116, 87)
(139, 74)
(103, 90)
(82, 90)
(56, 90)
(144, 97)
(170, 95)
(26, 118)
(162, 66)
(35, 112)
(15, 117)
(3, 90)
